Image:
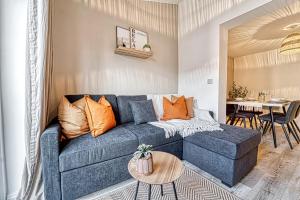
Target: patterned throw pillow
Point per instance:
(72, 118)
(143, 111)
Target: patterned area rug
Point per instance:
(190, 186)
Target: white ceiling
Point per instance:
(263, 33)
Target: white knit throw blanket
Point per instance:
(186, 127)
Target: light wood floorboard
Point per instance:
(275, 177)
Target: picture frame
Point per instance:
(138, 38)
(122, 37)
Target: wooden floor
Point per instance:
(276, 176)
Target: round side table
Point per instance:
(167, 168)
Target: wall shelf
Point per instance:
(133, 52)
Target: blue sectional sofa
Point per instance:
(86, 164)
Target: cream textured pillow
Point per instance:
(72, 118)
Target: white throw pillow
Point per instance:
(203, 114)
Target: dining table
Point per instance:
(270, 105)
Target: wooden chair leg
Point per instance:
(251, 122)
(293, 133)
(294, 122)
(228, 120)
(244, 121)
(237, 121)
(261, 127)
(255, 121)
(266, 127)
(295, 125)
(287, 135)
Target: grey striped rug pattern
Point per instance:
(190, 186)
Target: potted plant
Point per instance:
(147, 47)
(238, 92)
(144, 161)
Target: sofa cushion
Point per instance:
(233, 142)
(143, 111)
(100, 116)
(152, 135)
(112, 99)
(125, 112)
(86, 150)
(72, 118)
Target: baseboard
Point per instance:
(12, 196)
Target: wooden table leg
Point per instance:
(149, 192)
(273, 126)
(175, 193)
(136, 190)
(161, 190)
(234, 114)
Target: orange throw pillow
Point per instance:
(175, 110)
(100, 116)
(189, 104)
(72, 118)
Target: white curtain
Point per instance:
(38, 81)
(2, 159)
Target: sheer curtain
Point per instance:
(2, 159)
(38, 79)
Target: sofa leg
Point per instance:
(226, 184)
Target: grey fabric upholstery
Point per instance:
(233, 142)
(91, 178)
(86, 164)
(112, 99)
(152, 135)
(50, 150)
(86, 150)
(143, 111)
(175, 148)
(267, 117)
(230, 171)
(125, 112)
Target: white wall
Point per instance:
(269, 72)
(230, 74)
(85, 62)
(12, 62)
(203, 52)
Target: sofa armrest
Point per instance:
(50, 142)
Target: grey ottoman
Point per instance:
(228, 155)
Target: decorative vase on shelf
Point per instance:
(147, 48)
(144, 159)
(144, 166)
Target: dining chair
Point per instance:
(254, 114)
(286, 120)
(294, 124)
(239, 115)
